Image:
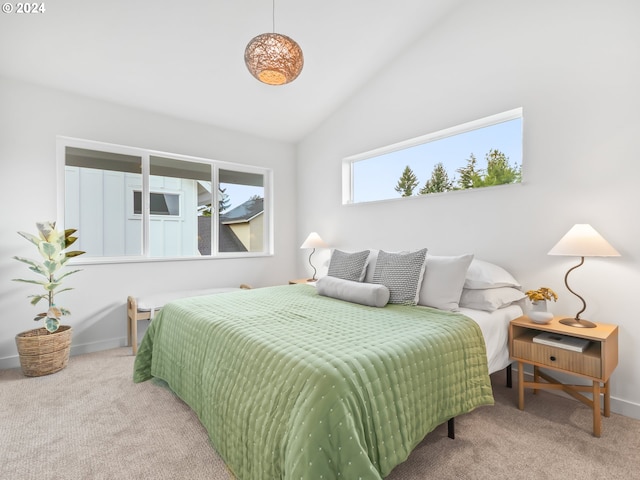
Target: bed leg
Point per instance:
(451, 428)
(509, 378)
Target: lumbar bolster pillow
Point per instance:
(371, 294)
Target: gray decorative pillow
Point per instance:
(356, 292)
(402, 274)
(371, 266)
(348, 266)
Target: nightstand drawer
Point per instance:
(587, 363)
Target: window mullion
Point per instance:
(146, 209)
(215, 210)
(267, 233)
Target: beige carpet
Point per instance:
(90, 421)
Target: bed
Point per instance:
(291, 384)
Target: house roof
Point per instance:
(228, 240)
(187, 61)
(244, 212)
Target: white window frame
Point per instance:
(145, 154)
(348, 162)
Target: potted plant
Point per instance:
(538, 300)
(45, 350)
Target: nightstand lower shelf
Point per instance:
(596, 389)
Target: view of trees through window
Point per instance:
(497, 171)
(483, 153)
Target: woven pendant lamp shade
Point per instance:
(273, 58)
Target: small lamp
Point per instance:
(313, 241)
(582, 241)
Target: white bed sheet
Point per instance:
(495, 329)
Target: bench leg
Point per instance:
(134, 335)
(128, 331)
(132, 324)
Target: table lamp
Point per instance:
(313, 241)
(582, 241)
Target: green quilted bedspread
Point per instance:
(293, 385)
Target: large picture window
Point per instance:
(482, 153)
(129, 203)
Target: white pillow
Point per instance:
(402, 274)
(490, 299)
(483, 274)
(444, 278)
(348, 266)
(355, 292)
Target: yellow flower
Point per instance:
(543, 293)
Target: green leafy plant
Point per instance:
(51, 244)
(543, 293)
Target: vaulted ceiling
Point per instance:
(186, 59)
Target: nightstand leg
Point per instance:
(521, 385)
(607, 399)
(536, 378)
(597, 422)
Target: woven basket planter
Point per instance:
(43, 353)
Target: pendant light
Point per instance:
(273, 58)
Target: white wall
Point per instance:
(575, 69)
(30, 119)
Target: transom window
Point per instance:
(482, 153)
(131, 203)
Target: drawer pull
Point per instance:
(552, 358)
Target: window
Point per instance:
(482, 153)
(241, 226)
(133, 203)
(159, 203)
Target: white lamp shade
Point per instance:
(583, 241)
(314, 241)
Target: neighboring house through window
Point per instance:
(130, 203)
(240, 229)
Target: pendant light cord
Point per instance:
(273, 12)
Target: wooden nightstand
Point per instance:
(596, 363)
(300, 280)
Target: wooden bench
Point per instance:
(145, 307)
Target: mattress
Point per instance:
(495, 330)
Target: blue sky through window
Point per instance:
(375, 178)
(238, 194)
